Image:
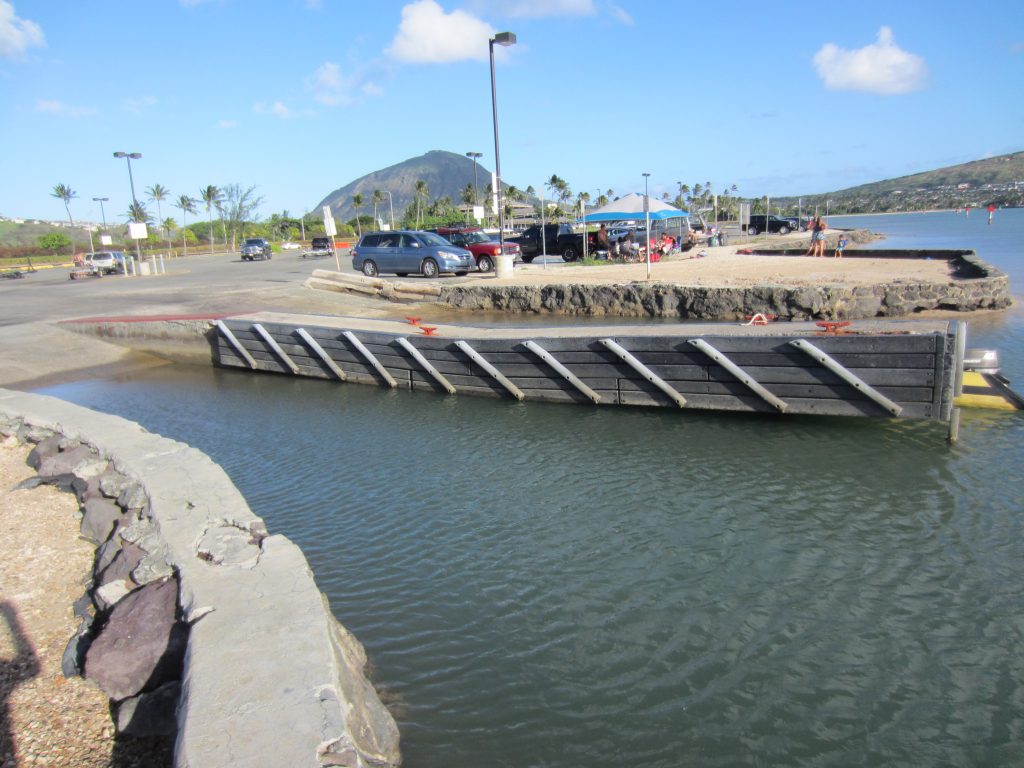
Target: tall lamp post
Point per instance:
(391, 208)
(476, 189)
(103, 214)
(647, 224)
(506, 39)
(129, 156)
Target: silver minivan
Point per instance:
(407, 251)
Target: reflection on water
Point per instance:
(566, 586)
(544, 585)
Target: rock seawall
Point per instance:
(194, 609)
(980, 287)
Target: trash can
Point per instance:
(721, 238)
(712, 241)
(503, 265)
(144, 268)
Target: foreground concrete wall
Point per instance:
(270, 678)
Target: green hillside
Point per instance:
(998, 180)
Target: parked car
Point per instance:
(557, 239)
(290, 246)
(255, 248)
(759, 222)
(406, 251)
(321, 246)
(107, 262)
(477, 242)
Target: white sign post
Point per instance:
(331, 231)
(137, 232)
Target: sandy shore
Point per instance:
(723, 266)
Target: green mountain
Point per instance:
(445, 173)
(998, 180)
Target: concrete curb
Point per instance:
(270, 677)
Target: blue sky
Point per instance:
(299, 97)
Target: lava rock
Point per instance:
(141, 645)
(100, 518)
(73, 660)
(125, 561)
(44, 449)
(150, 714)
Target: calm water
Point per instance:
(544, 585)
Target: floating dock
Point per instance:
(887, 369)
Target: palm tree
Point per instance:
(210, 196)
(223, 219)
(65, 193)
(378, 198)
(421, 193)
(187, 205)
(158, 193)
(137, 213)
(357, 203)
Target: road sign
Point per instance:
(329, 227)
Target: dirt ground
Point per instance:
(723, 266)
(45, 718)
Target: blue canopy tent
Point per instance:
(631, 206)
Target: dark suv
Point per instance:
(771, 224)
(321, 246)
(255, 248)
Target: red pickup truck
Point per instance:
(474, 240)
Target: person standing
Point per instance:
(602, 241)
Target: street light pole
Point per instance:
(502, 38)
(647, 224)
(476, 188)
(101, 201)
(680, 185)
(391, 208)
(129, 156)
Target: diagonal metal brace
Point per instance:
(370, 358)
(265, 335)
(847, 375)
(644, 371)
(233, 340)
(405, 344)
(321, 353)
(744, 378)
(497, 375)
(565, 373)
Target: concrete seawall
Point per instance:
(980, 286)
(269, 678)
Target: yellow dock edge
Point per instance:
(985, 390)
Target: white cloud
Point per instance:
(17, 35)
(620, 14)
(60, 109)
(535, 8)
(882, 67)
(225, 124)
(428, 35)
(334, 88)
(137, 105)
(277, 109)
